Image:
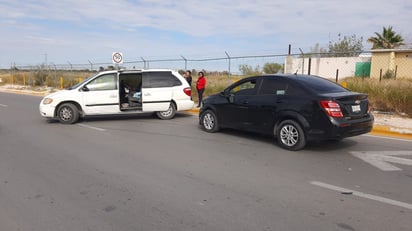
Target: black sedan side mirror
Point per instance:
(228, 95)
(231, 98)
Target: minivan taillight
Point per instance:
(332, 108)
(188, 91)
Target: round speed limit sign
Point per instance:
(117, 57)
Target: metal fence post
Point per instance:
(228, 75)
(91, 65)
(185, 62)
(309, 65)
(380, 75)
(396, 72)
(337, 75)
(303, 61)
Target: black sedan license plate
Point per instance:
(356, 108)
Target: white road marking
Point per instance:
(363, 195)
(3, 105)
(382, 159)
(92, 127)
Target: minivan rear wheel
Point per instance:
(290, 135)
(168, 114)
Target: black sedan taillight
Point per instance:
(331, 108)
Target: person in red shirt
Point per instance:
(200, 86)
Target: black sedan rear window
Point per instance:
(320, 85)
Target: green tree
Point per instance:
(389, 39)
(317, 51)
(272, 68)
(347, 46)
(248, 70)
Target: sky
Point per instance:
(81, 32)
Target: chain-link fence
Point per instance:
(374, 64)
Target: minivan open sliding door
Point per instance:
(157, 90)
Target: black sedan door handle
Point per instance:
(245, 102)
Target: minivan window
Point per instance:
(104, 82)
(160, 79)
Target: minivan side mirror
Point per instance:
(84, 88)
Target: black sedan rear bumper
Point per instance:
(339, 129)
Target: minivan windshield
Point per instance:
(78, 84)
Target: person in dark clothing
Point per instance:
(122, 92)
(188, 77)
(200, 86)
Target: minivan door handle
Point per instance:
(147, 94)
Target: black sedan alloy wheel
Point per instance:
(290, 135)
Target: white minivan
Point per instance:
(120, 92)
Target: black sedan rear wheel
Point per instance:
(290, 135)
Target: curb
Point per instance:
(382, 130)
(193, 111)
(23, 92)
(378, 130)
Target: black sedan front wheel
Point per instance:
(290, 135)
(208, 120)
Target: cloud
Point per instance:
(162, 28)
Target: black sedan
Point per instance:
(294, 108)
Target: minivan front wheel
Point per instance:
(68, 113)
(290, 135)
(168, 114)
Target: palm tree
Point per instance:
(387, 40)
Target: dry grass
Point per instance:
(386, 95)
(56, 79)
(214, 84)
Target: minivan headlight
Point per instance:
(47, 101)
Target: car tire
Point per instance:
(168, 114)
(209, 121)
(68, 113)
(290, 135)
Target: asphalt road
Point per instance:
(142, 173)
